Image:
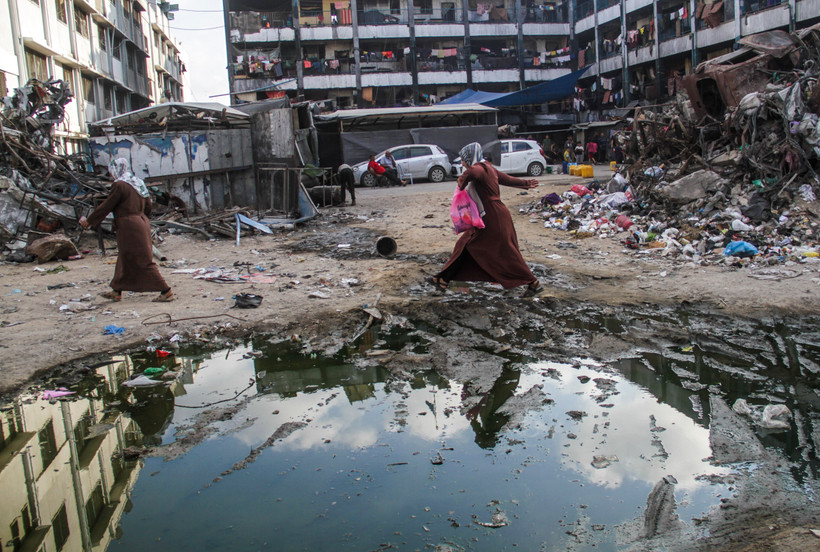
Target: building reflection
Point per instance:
(66, 468)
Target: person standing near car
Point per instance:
(490, 254)
(347, 181)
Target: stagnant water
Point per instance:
(271, 446)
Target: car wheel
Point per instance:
(437, 174)
(535, 169)
(368, 180)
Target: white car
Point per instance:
(426, 161)
(517, 157)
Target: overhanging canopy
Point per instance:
(556, 89)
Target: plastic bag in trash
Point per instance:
(740, 249)
(247, 300)
(776, 416)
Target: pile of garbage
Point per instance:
(41, 191)
(713, 178)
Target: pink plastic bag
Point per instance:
(581, 190)
(464, 212)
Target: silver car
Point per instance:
(518, 156)
(425, 161)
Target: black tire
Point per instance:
(367, 180)
(437, 174)
(535, 169)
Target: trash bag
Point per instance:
(464, 212)
(740, 249)
(247, 300)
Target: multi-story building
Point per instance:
(379, 52)
(116, 55)
(387, 52)
(639, 49)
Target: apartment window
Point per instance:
(425, 7)
(68, 77)
(88, 90)
(107, 96)
(121, 105)
(48, 444)
(115, 51)
(81, 21)
(103, 40)
(62, 14)
(59, 526)
(310, 8)
(94, 505)
(37, 66)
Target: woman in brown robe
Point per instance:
(130, 202)
(490, 254)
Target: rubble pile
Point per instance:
(41, 191)
(713, 174)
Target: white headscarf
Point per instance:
(120, 170)
(471, 154)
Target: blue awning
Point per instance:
(556, 89)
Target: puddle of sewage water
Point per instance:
(321, 453)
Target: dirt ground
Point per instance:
(328, 269)
(335, 256)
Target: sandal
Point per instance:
(111, 296)
(438, 283)
(533, 289)
(165, 297)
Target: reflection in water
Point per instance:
(364, 442)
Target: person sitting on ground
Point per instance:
(130, 201)
(390, 166)
(347, 181)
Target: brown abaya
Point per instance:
(490, 254)
(136, 269)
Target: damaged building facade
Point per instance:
(363, 53)
(115, 56)
(367, 54)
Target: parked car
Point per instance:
(517, 157)
(425, 161)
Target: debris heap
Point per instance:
(41, 190)
(734, 159)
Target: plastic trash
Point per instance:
(247, 300)
(740, 226)
(113, 330)
(624, 222)
(740, 249)
(581, 190)
(742, 407)
(654, 172)
(807, 193)
(141, 381)
(153, 371)
(56, 393)
(776, 416)
(614, 200)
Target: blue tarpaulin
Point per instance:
(556, 89)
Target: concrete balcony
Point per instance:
(387, 79)
(325, 82)
(585, 24)
(676, 46)
(497, 75)
(634, 5)
(726, 32)
(765, 20)
(612, 13)
(542, 75)
(545, 29)
(641, 55)
(807, 9)
(614, 63)
(443, 77)
(454, 30)
(493, 29)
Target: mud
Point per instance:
(604, 304)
